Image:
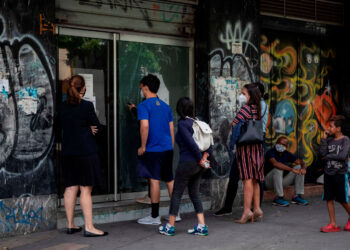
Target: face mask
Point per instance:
(142, 95)
(242, 99)
(280, 148)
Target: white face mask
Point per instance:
(242, 99)
(280, 148)
(142, 95)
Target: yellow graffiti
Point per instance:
(296, 78)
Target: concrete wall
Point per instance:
(221, 70)
(27, 73)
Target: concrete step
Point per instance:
(125, 211)
(310, 190)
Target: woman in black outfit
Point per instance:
(81, 165)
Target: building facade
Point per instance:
(206, 50)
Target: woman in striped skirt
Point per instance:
(250, 158)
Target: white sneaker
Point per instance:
(149, 220)
(177, 219)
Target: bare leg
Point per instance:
(200, 218)
(248, 191)
(331, 211)
(172, 219)
(70, 198)
(170, 186)
(86, 205)
(256, 196)
(347, 207)
(155, 190)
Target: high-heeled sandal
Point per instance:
(245, 218)
(258, 215)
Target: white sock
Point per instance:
(201, 226)
(168, 226)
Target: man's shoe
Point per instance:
(149, 220)
(330, 228)
(223, 211)
(347, 226)
(169, 231)
(280, 201)
(197, 230)
(300, 201)
(144, 200)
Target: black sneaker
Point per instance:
(223, 211)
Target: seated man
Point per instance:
(278, 174)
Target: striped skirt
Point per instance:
(250, 161)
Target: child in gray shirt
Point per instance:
(335, 151)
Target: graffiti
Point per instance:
(238, 36)
(228, 75)
(26, 131)
(12, 217)
(302, 100)
(124, 5)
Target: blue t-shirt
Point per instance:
(159, 115)
(285, 157)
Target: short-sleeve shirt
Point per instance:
(159, 115)
(284, 158)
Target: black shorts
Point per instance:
(156, 165)
(336, 188)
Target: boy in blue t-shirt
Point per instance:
(157, 142)
(335, 152)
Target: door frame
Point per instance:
(116, 36)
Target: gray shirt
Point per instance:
(336, 153)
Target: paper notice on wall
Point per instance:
(28, 105)
(237, 48)
(89, 82)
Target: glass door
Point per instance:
(169, 60)
(91, 54)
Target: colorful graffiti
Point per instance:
(303, 96)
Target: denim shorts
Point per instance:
(156, 165)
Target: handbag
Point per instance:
(251, 132)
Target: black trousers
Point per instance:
(188, 174)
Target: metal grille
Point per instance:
(330, 12)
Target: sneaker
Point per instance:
(300, 201)
(144, 200)
(149, 220)
(166, 230)
(280, 201)
(177, 219)
(347, 226)
(330, 228)
(223, 211)
(197, 230)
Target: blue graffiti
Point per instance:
(28, 92)
(11, 217)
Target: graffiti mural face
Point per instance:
(301, 99)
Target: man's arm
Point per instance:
(171, 125)
(282, 166)
(144, 125)
(303, 166)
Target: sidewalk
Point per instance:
(294, 227)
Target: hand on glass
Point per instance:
(131, 106)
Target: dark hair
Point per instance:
(261, 87)
(338, 120)
(184, 107)
(254, 97)
(152, 82)
(76, 84)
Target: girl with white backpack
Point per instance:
(194, 140)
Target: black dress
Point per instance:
(81, 164)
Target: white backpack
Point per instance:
(202, 134)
